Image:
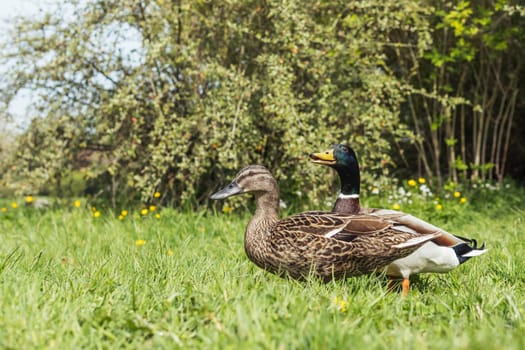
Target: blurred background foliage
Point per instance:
(137, 97)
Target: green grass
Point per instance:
(69, 280)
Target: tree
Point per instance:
(462, 94)
(209, 88)
(174, 96)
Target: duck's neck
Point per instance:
(256, 237)
(266, 207)
(348, 200)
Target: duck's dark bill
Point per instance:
(326, 157)
(230, 190)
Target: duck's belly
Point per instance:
(327, 265)
(429, 258)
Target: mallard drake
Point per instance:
(324, 244)
(441, 254)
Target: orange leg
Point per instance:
(406, 287)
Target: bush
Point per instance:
(201, 89)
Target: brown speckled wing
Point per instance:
(344, 227)
(313, 222)
(366, 224)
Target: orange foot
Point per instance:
(406, 287)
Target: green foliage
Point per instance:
(453, 199)
(453, 94)
(73, 280)
(210, 88)
(145, 96)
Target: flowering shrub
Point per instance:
(239, 85)
(419, 198)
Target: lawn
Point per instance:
(70, 279)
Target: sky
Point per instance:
(8, 10)
(11, 8)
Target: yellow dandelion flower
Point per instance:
(457, 194)
(463, 200)
(29, 199)
(152, 208)
(93, 209)
(412, 182)
(227, 209)
(156, 194)
(422, 180)
(121, 217)
(14, 205)
(343, 306)
(340, 304)
(396, 206)
(76, 203)
(124, 213)
(96, 214)
(439, 207)
(170, 252)
(144, 211)
(4, 209)
(140, 242)
(157, 216)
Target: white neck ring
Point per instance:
(344, 196)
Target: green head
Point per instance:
(344, 160)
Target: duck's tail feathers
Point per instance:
(465, 251)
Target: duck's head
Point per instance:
(252, 179)
(344, 160)
(338, 156)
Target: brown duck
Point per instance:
(323, 244)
